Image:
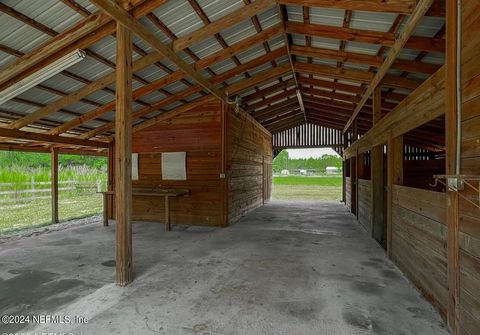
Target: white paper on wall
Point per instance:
(134, 166)
(173, 166)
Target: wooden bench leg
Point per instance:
(167, 215)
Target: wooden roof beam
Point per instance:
(282, 11)
(389, 6)
(239, 47)
(144, 62)
(26, 135)
(268, 90)
(279, 111)
(171, 114)
(353, 99)
(240, 69)
(178, 75)
(411, 24)
(88, 31)
(111, 105)
(274, 98)
(365, 36)
(260, 78)
(145, 111)
(355, 75)
(357, 58)
(122, 17)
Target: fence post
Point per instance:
(99, 186)
(33, 185)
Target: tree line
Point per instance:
(9, 159)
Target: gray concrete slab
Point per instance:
(286, 268)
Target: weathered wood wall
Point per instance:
(348, 193)
(469, 215)
(198, 133)
(365, 204)
(419, 241)
(249, 156)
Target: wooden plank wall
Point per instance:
(198, 133)
(469, 220)
(348, 193)
(365, 204)
(419, 240)
(249, 154)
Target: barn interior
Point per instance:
(190, 101)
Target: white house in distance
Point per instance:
(332, 170)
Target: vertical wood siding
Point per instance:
(249, 159)
(469, 302)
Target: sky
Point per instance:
(307, 153)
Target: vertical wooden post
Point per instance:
(111, 180)
(123, 156)
(54, 184)
(344, 167)
(354, 171)
(394, 177)
(224, 166)
(377, 176)
(450, 164)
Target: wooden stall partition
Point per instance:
(419, 235)
(365, 204)
(198, 133)
(348, 193)
(249, 156)
(469, 216)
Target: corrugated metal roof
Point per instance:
(181, 19)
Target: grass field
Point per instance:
(38, 213)
(22, 211)
(328, 188)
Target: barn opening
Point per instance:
(188, 102)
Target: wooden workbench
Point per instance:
(159, 192)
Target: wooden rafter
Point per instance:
(88, 31)
(122, 16)
(357, 58)
(282, 11)
(26, 135)
(391, 6)
(365, 36)
(142, 63)
(413, 20)
(355, 75)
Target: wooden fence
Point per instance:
(33, 190)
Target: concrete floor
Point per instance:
(286, 268)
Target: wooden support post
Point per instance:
(394, 177)
(54, 184)
(224, 166)
(356, 171)
(123, 156)
(105, 209)
(344, 168)
(111, 181)
(343, 181)
(450, 165)
(377, 164)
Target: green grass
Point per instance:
(17, 212)
(38, 213)
(328, 188)
(299, 180)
